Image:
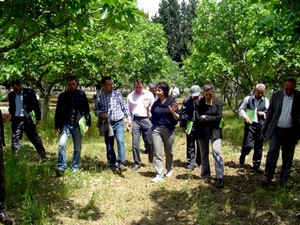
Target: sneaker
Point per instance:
(220, 183)
(157, 179)
(5, 219)
(169, 173)
(122, 168)
(135, 167)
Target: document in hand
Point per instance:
(82, 125)
(250, 113)
(189, 126)
(32, 115)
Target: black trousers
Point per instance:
(192, 150)
(23, 124)
(253, 139)
(2, 179)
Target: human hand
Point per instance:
(6, 117)
(146, 102)
(246, 119)
(173, 108)
(128, 126)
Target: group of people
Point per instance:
(278, 121)
(154, 114)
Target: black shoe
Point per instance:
(242, 160)
(122, 168)
(135, 167)
(59, 173)
(257, 170)
(5, 219)
(265, 183)
(113, 168)
(220, 183)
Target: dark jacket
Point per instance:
(187, 111)
(210, 127)
(81, 108)
(274, 112)
(30, 103)
(2, 141)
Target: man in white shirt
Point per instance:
(253, 110)
(139, 105)
(174, 92)
(282, 129)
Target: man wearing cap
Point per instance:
(188, 125)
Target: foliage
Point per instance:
(23, 20)
(239, 43)
(177, 23)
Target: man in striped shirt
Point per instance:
(110, 105)
(282, 129)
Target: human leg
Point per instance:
(119, 134)
(17, 127)
(272, 156)
(33, 136)
(77, 140)
(247, 143)
(204, 151)
(158, 155)
(218, 159)
(147, 138)
(136, 133)
(168, 141)
(190, 152)
(63, 138)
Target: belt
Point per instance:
(284, 128)
(114, 122)
(140, 117)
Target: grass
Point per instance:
(94, 195)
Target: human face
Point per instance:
(108, 86)
(71, 85)
(209, 95)
(289, 88)
(259, 93)
(195, 98)
(16, 88)
(160, 93)
(138, 88)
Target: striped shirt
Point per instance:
(285, 119)
(112, 104)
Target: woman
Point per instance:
(210, 115)
(164, 117)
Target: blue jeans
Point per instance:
(77, 141)
(118, 129)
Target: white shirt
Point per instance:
(174, 91)
(136, 102)
(285, 119)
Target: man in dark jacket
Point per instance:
(3, 217)
(72, 106)
(282, 129)
(25, 114)
(187, 117)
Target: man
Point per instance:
(71, 106)
(152, 89)
(282, 129)
(139, 103)
(3, 217)
(110, 105)
(187, 115)
(253, 111)
(174, 92)
(23, 104)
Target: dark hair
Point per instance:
(138, 81)
(291, 80)
(208, 87)
(104, 79)
(15, 82)
(71, 78)
(165, 87)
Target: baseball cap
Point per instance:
(195, 90)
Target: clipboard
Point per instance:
(189, 126)
(82, 125)
(251, 114)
